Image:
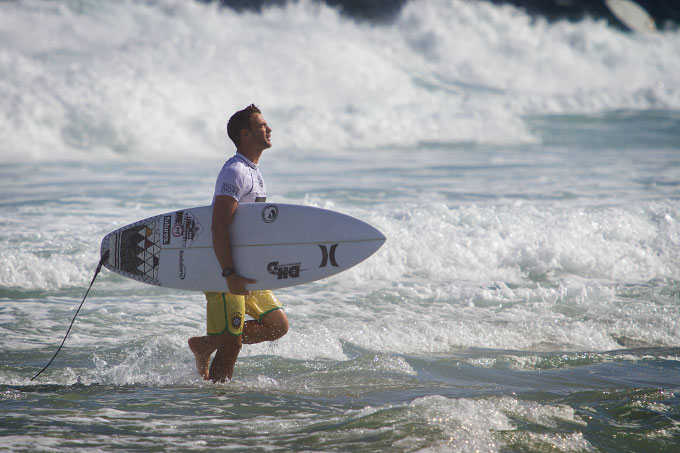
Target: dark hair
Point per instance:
(240, 120)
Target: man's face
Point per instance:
(261, 132)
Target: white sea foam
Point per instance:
(505, 277)
(155, 80)
(481, 425)
(426, 242)
(510, 243)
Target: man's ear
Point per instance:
(244, 133)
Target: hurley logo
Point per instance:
(328, 255)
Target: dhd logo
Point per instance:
(282, 271)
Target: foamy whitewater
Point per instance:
(526, 174)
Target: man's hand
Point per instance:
(237, 284)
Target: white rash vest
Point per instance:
(241, 180)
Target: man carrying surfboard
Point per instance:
(238, 181)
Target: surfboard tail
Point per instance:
(134, 251)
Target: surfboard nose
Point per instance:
(377, 236)
(372, 233)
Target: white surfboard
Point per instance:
(278, 245)
(632, 15)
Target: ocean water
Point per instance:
(525, 171)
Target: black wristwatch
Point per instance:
(227, 271)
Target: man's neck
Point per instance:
(250, 154)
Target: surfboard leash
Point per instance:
(104, 258)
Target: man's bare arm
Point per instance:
(224, 209)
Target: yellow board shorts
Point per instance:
(225, 310)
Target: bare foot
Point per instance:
(202, 352)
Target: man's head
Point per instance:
(249, 125)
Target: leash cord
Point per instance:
(99, 268)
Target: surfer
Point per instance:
(239, 180)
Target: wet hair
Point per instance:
(240, 120)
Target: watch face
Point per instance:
(227, 271)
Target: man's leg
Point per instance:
(228, 347)
(271, 327)
(224, 324)
(203, 347)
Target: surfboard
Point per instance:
(632, 15)
(277, 244)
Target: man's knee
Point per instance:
(229, 341)
(277, 322)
